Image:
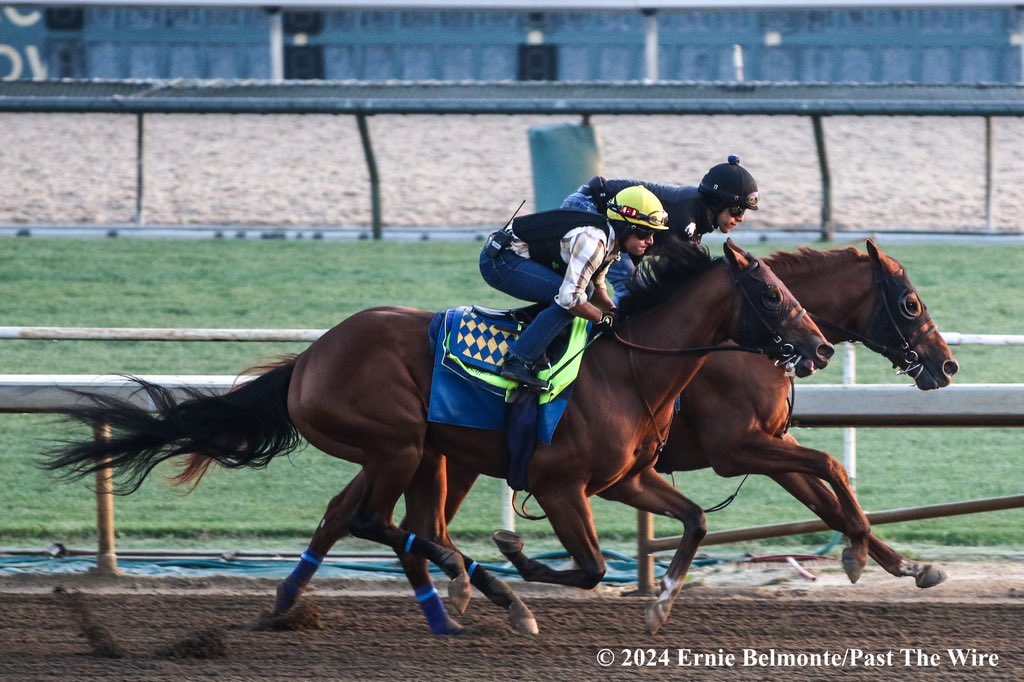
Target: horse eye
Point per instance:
(772, 298)
(910, 306)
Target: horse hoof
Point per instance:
(459, 593)
(522, 618)
(508, 542)
(287, 594)
(449, 628)
(930, 576)
(656, 615)
(853, 564)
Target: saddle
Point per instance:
(470, 344)
(483, 335)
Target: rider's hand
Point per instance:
(606, 323)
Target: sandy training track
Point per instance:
(887, 172)
(171, 628)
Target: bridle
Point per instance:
(771, 299)
(905, 359)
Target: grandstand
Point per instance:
(869, 42)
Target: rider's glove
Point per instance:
(606, 323)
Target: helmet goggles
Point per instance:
(640, 232)
(655, 219)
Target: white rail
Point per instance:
(816, 405)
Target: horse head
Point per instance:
(902, 330)
(771, 319)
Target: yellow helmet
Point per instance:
(639, 206)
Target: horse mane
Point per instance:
(671, 264)
(806, 260)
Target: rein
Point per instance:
(685, 351)
(793, 316)
(637, 379)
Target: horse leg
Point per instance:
(372, 521)
(497, 591)
(819, 499)
(424, 500)
(333, 526)
(459, 483)
(650, 492)
(572, 519)
(770, 455)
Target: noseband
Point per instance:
(893, 291)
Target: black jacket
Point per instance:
(683, 204)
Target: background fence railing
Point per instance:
(362, 99)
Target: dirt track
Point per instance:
(373, 630)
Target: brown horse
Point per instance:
(744, 430)
(360, 393)
(868, 299)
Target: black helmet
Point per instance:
(727, 185)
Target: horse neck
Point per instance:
(840, 290)
(704, 313)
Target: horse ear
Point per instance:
(873, 249)
(881, 260)
(737, 256)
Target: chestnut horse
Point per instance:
(869, 299)
(853, 296)
(360, 393)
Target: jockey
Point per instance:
(727, 191)
(561, 257)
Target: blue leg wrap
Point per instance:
(289, 590)
(433, 609)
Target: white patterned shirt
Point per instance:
(588, 253)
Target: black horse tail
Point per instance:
(246, 427)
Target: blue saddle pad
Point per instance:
(468, 347)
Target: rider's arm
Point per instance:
(587, 247)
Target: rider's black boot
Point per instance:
(517, 370)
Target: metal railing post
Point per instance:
(106, 555)
(850, 432)
(988, 174)
(508, 514)
(827, 228)
(644, 558)
(371, 165)
(140, 217)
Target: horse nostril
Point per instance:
(950, 367)
(826, 351)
